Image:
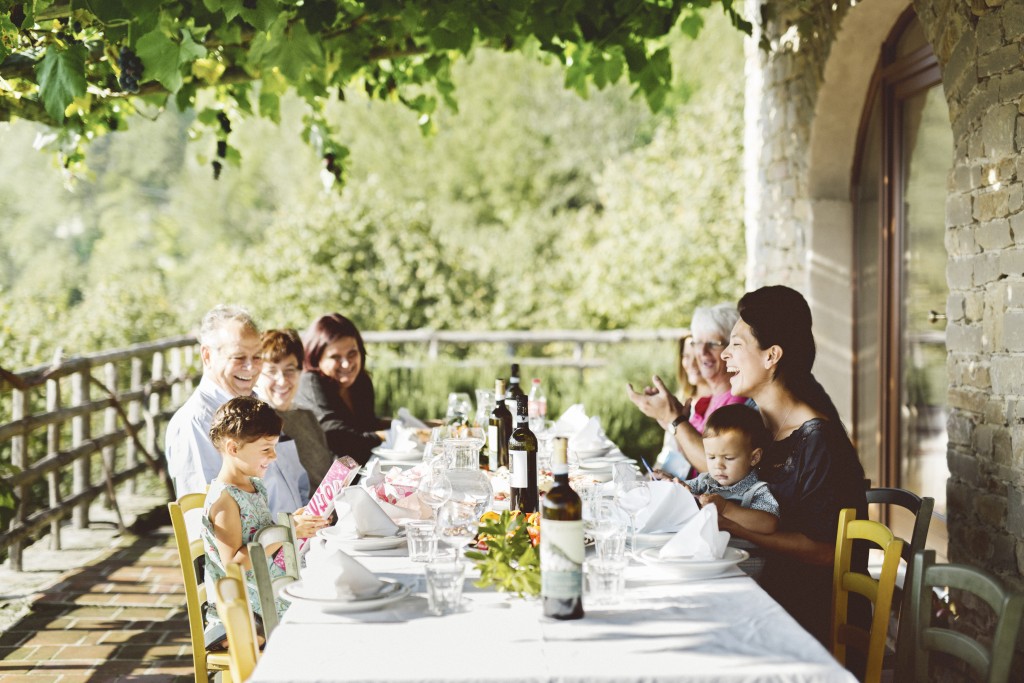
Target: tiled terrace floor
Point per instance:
(117, 617)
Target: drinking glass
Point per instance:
(444, 585)
(632, 495)
(420, 538)
(457, 524)
(607, 525)
(460, 408)
(434, 488)
(606, 580)
(484, 406)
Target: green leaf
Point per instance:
(263, 15)
(61, 74)
(297, 53)
(163, 58)
(231, 8)
(109, 10)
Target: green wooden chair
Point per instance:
(921, 508)
(992, 663)
(266, 588)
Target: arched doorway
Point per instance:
(899, 187)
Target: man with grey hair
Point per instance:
(229, 345)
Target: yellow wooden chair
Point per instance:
(235, 611)
(195, 590)
(268, 588)
(870, 642)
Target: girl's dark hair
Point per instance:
(326, 330)
(738, 417)
(779, 316)
(244, 419)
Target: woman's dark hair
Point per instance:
(779, 316)
(738, 417)
(326, 330)
(276, 345)
(244, 419)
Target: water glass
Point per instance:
(610, 544)
(444, 586)
(605, 580)
(421, 540)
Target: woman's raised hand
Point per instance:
(656, 401)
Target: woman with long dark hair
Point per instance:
(810, 466)
(337, 388)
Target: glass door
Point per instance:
(904, 157)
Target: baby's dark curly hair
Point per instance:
(244, 419)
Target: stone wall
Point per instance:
(980, 48)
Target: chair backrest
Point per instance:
(266, 587)
(921, 508)
(195, 590)
(234, 609)
(845, 635)
(992, 663)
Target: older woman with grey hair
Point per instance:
(710, 329)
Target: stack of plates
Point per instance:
(398, 457)
(346, 542)
(689, 568)
(390, 591)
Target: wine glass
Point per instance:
(632, 495)
(457, 524)
(434, 488)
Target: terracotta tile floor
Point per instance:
(120, 617)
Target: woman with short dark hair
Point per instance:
(337, 388)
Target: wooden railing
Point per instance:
(100, 415)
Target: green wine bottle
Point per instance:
(561, 543)
(499, 429)
(522, 455)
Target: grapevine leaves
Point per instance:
(61, 74)
(163, 57)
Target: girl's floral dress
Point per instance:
(255, 514)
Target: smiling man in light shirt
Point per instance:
(229, 344)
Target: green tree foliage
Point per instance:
(84, 67)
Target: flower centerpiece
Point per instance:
(506, 553)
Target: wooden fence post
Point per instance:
(134, 412)
(110, 423)
(80, 432)
(18, 459)
(156, 374)
(52, 448)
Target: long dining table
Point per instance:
(664, 629)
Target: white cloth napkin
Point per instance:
(571, 421)
(332, 573)
(359, 515)
(699, 538)
(402, 435)
(670, 508)
(589, 436)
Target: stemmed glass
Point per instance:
(434, 488)
(632, 495)
(457, 524)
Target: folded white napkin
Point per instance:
(571, 421)
(670, 508)
(589, 436)
(699, 538)
(359, 515)
(332, 573)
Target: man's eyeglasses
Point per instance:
(706, 345)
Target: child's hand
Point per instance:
(349, 461)
(716, 500)
(306, 525)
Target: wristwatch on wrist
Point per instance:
(671, 429)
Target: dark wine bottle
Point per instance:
(522, 455)
(499, 429)
(513, 391)
(561, 543)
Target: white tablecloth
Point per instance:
(722, 629)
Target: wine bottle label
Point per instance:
(561, 559)
(518, 466)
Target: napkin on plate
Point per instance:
(332, 573)
(699, 539)
(403, 435)
(670, 508)
(360, 516)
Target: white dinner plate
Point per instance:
(391, 591)
(653, 539)
(404, 455)
(364, 543)
(688, 568)
(593, 451)
(596, 464)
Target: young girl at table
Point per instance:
(245, 431)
